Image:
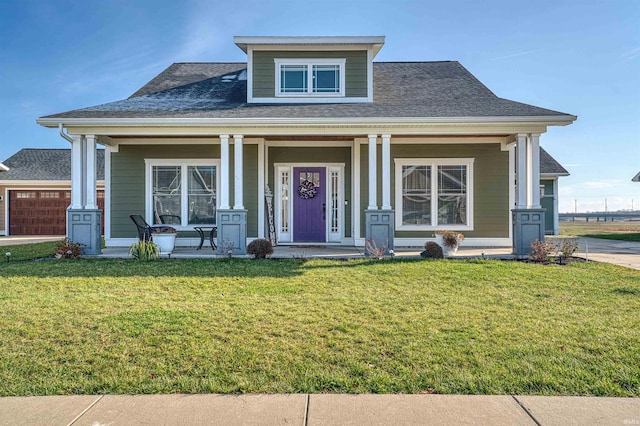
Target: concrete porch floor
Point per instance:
(312, 251)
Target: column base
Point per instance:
(84, 226)
(232, 231)
(528, 226)
(379, 229)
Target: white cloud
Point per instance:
(513, 55)
(600, 184)
(630, 55)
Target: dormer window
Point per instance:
(309, 77)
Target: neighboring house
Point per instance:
(35, 191)
(550, 171)
(352, 150)
(636, 178)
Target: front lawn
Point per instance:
(201, 326)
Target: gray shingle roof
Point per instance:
(549, 165)
(44, 164)
(401, 89)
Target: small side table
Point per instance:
(213, 230)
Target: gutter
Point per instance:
(62, 133)
(276, 122)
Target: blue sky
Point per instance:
(580, 57)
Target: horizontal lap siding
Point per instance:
(491, 177)
(250, 188)
(264, 70)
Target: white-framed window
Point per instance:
(310, 77)
(182, 193)
(434, 193)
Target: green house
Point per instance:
(312, 141)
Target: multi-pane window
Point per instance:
(167, 198)
(416, 195)
(326, 79)
(433, 193)
(182, 193)
(452, 195)
(294, 79)
(315, 77)
(201, 194)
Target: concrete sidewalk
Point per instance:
(317, 409)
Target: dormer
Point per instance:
(309, 69)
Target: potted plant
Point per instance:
(164, 237)
(449, 241)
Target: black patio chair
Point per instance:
(144, 229)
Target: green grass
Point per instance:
(236, 326)
(620, 230)
(27, 251)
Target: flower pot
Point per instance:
(165, 242)
(449, 251)
(446, 251)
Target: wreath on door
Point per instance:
(307, 190)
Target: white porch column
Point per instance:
(76, 172)
(90, 179)
(521, 171)
(534, 142)
(224, 172)
(373, 190)
(386, 172)
(237, 173)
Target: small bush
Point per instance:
(541, 251)
(227, 247)
(67, 249)
(144, 250)
(432, 250)
(373, 250)
(260, 248)
(567, 248)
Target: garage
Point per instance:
(41, 212)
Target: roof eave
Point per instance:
(330, 41)
(554, 174)
(560, 120)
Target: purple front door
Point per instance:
(309, 204)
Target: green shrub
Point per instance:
(144, 250)
(567, 247)
(260, 248)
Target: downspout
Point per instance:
(63, 134)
